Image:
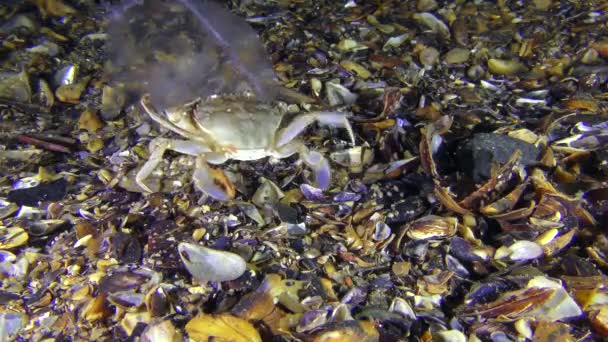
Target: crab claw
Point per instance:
(320, 166)
(212, 182)
(299, 124)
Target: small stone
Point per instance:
(89, 121)
(15, 86)
(476, 156)
(70, 93)
(52, 191)
(125, 248)
(401, 268)
(505, 67)
(429, 56)
(288, 213)
(542, 5)
(590, 56)
(457, 56)
(112, 101)
(198, 234)
(95, 144)
(475, 72)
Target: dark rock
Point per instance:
(297, 245)
(52, 191)
(121, 281)
(288, 213)
(126, 248)
(476, 156)
(405, 210)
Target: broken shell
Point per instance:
(506, 203)
(7, 208)
(12, 237)
(382, 231)
(267, 193)
(206, 264)
(337, 94)
(70, 93)
(311, 193)
(432, 23)
(316, 85)
(543, 299)
(388, 29)
(132, 319)
(44, 227)
(46, 47)
(520, 250)
(395, 41)
(45, 94)
(11, 323)
(350, 45)
(65, 76)
(354, 158)
(359, 69)
(164, 331)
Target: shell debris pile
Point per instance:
(472, 207)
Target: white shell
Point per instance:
(206, 264)
(525, 250)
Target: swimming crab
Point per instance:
(224, 127)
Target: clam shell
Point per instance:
(206, 264)
(432, 227)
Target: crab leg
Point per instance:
(157, 148)
(299, 124)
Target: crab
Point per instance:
(237, 127)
